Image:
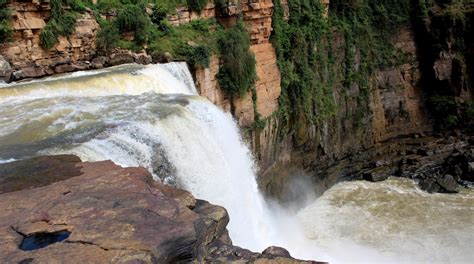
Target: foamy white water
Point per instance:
(391, 222)
(151, 116)
(140, 116)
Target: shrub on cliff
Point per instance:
(58, 26)
(193, 42)
(197, 5)
(5, 28)
(133, 18)
(62, 21)
(108, 36)
(320, 56)
(237, 73)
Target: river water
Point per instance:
(152, 116)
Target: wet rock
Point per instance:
(29, 72)
(5, 69)
(17, 75)
(64, 68)
(430, 185)
(36, 172)
(378, 163)
(81, 66)
(374, 176)
(143, 58)
(448, 183)
(4, 65)
(33, 72)
(378, 174)
(457, 164)
(99, 62)
(110, 214)
(276, 252)
(121, 58)
(6, 76)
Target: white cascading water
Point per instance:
(129, 113)
(152, 116)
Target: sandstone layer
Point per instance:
(28, 59)
(103, 213)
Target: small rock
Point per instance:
(34, 71)
(81, 66)
(276, 252)
(430, 185)
(4, 65)
(99, 62)
(121, 58)
(64, 68)
(448, 183)
(375, 176)
(165, 58)
(143, 58)
(17, 75)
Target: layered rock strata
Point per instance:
(26, 58)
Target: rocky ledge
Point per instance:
(68, 211)
(440, 163)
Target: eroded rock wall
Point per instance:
(28, 59)
(257, 16)
(25, 54)
(393, 106)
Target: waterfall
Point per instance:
(152, 116)
(148, 116)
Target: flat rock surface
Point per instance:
(36, 172)
(113, 215)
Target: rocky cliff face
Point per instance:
(395, 106)
(396, 102)
(26, 56)
(444, 31)
(257, 16)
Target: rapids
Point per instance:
(152, 116)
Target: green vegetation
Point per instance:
(313, 64)
(197, 5)
(108, 36)
(61, 22)
(193, 42)
(446, 26)
(237, 73)
(133, 18)
(305, 59)
(5, 28)
(448, 113)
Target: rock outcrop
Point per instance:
(439, 163)
(26, 58)
(101, 213)
(257, 16)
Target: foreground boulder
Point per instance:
(105, 213)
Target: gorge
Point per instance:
(348, 140)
